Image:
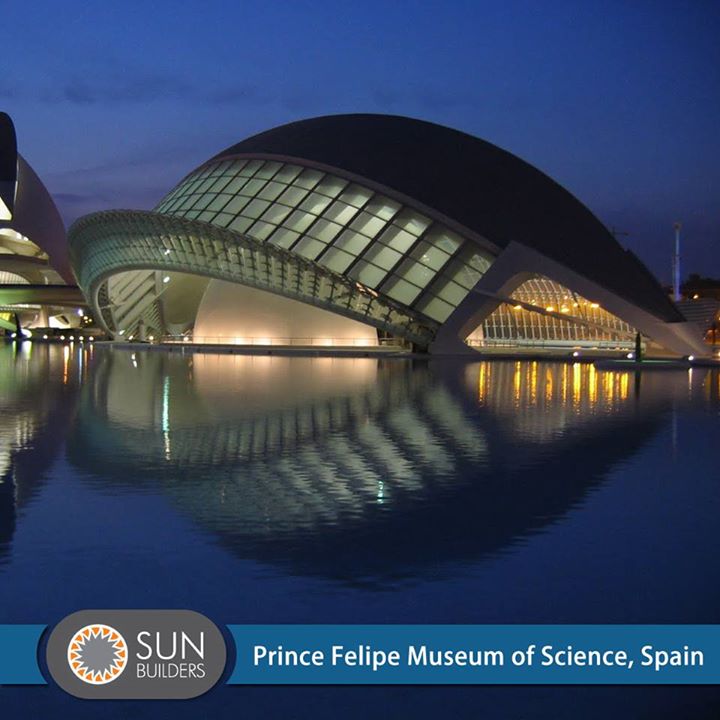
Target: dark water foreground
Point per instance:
(264, 490)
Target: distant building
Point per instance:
(343, 230)
(34, 267)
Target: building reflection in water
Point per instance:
(363, 469)
(38, 388)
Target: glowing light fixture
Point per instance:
(166, 279)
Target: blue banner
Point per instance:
(18, 655)
(476, 654)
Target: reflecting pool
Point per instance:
(270, 489)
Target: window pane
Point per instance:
(236, 204)
(284, 238)
(223, 219)
(416, 273)
(356, 195)
(309, 248)
(292, 196)
(382, 207)
(253, 187)
(340, 212)
(367, 224)
(412, 221)
(240, 224)
(430, 255)
(399, 239)
(251, 167)
(452, 293)
(382, 256)
(268, 170)
(324, 230)
(352, 242)
(444, 239)
(219, 184)
(261, 230)
(331, 186)
(337, 260)
(234, 186)
(308, 178)
(218, 202)
(276, 214)
(436, 309)
(314, 203)
(288, 173)
(299, 221)
(271, 190)
(368, 274)
(401, 291)
(256, 208)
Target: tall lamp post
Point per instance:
(676, 263)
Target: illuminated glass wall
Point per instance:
(546, 313)
(392, 249)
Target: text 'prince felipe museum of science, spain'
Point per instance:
(356, 230)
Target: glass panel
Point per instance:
(452, 293)
(261, 230)
(205, 184)
(430, 255)
(337, 260)
(368, 224)
(324, 230)
(253, 187)
(287, 173)
(400, 240)
(331, 186)
(251, 167)
(271, 190)
(292, 196)
(368, 274)
(356, 195)
(382, 256)
(308, 178)
(352, 242)
(202, 202)
(206, 216)
(401, 290)
(276, 214)
(234, 186)
(340, 212)
(382, 207)
(218, 202)
(416, 273)
(412, 221)
(315, 203)
(436, 309)
(299, 221)
(219, 184)
(236, 204)
(240, 224)
(223, 219)
(444, 239)
(256, 208)
(268, 170)
(284, 238)
(309, 248)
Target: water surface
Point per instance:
(268, 489)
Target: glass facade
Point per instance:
(389, 248)
(562, 318)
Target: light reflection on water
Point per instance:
(299, 488)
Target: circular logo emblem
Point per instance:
(97, 654)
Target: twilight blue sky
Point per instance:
(618, 100)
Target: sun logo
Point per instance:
(97, 654)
